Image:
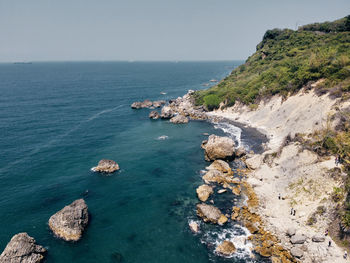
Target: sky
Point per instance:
(151, 30)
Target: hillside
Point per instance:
(296, 87)
(285, 61)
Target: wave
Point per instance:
(233, 131)
(238, 235)
(163, 137)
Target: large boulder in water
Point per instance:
(167, 113)
(204, 191)
(179, 119)
(70, 222)
(22, 249)
(210, 213)
(217, 147)
(106, 166)
(226, 248)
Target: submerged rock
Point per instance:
(154, 115)
(217, 147)
(70, 222)
(179, 119)
(22, 249)
(203, 192)
(167, 113)
(106, 166)
(210, 213)
(226, 248)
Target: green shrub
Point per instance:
(212, 101)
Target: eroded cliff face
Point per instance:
(295, 184)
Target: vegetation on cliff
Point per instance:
(284, 62)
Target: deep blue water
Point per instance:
(57, 120)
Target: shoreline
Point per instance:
(296, 174)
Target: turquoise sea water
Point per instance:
(57, 120)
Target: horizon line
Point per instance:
(129, 61)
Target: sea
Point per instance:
(58, 119)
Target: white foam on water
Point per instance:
(237, 235)
(93, 169)
(233, 131)
(163, 137)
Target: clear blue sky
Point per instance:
(48, 30)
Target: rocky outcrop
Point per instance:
(217, 147)
(298, 239)
(22, 249)
(296, 252)
(291, 231)
(203, 192)
(167, 113)
(179, 119)
(318, 238)
(154, 115)
(221, 166)
(147, 104)
(70, 222)
(106, 166)
(211, 214)
(226, 248)
(240, 152)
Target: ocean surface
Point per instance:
(57, 120)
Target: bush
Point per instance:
(212, 101)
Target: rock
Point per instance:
(222, 220)
(221, 166)
(235, 212)
(179, 119)
(209, 213)
(70, 222)
(296, 252)
(158, 103)
(22, 249)
(147, 104)
(318, 238)
(217, 147)
(106, 166)
(167, 113)
(254, 162)
(194, 227)
(291, 231)
(203, 192)
(214, 176)
(236, 190)
(221, 191)
(240, 152)
(136, 105)
(226, 248)
(154, 115)
(298, 239)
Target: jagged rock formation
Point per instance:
(22, 249)
(70, 222)
(204, 191)
(211, 214)
(106, 166)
